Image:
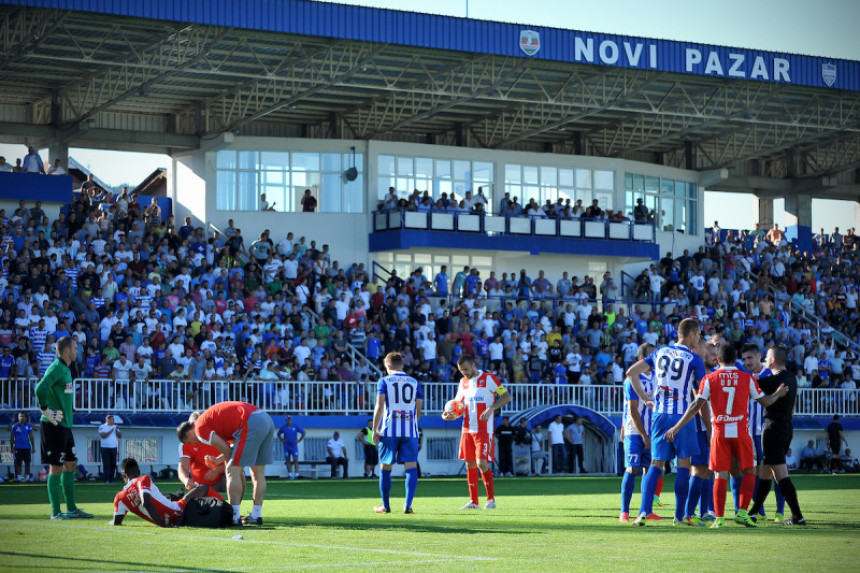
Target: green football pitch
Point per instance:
(541, 524)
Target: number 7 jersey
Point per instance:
(676, 372)
(729, 391)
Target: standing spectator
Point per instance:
(289, 436)
(337, 456)
(505, 436)
(5, 167)
(575, 439)
(309, 202)
(109, 434)
(22, 442)
(538, 453)
(835, 436)
(522, 448)
(557, 440)
(32, 162)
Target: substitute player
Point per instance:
(243, 434)
(676, 371)
(776, 435)
(481, 394)
(729, 390)
(22, 442)
(395, 428)
(636, 430)
(289, 436)
(56, 395)
(142, 497)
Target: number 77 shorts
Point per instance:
(475, 446)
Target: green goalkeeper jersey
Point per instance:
(56, 391)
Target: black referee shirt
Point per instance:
(783, 408)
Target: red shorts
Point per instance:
(477, 446)
(724, 449)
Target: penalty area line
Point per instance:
(251, 568)
(309, 545)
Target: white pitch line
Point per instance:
(285, 544)
(288, 567)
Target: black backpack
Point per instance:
(208, 512)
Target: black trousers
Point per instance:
(338, 462)
(575, 453)
(506, 459)
(109, 463)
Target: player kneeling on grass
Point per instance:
(729, 390)
(395, 428)
(143, 498)
(481, 394)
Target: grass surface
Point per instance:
(541, 524)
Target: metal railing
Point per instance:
(524, 225)
(336, 397)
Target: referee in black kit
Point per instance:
(776, 435)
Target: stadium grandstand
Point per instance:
(345, 182)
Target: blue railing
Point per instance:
(498, 225)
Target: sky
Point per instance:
(820, 28)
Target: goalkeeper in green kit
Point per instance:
(56, 395)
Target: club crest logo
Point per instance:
(828, 74)
(529, 42)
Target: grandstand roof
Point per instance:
(160, 75)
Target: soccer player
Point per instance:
(776, 435)
(243, 434)
(193, 469)
(729, 390)
(395, 428)
(482, 394)
(22, 441)
(143, 498)
(700, 475)
(676, 370)
(636, 429)
(289, 436)
(751, 358)
(55, 393)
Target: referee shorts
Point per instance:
(775, 441)
(58, 445)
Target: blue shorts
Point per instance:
(759, 454)
(685, 444)
(636, 455)
(703, 458)
(398, 450)
(291, 451)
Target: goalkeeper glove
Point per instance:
(53, 416)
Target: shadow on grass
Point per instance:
(63, 563)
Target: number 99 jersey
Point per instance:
(677, 370)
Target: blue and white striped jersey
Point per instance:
(677, 371)
(647, 381)
(756, 409)
(401, 394)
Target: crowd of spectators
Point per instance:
(479, 204)
(149, 299)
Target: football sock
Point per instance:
(256, 511)
(237, 512)
(747, 490)
(628, 483)
(790, 496)
(760, 496)
(720, 497)
(761, 511)
(780, 499)
(411, 485)
(54, 493)
(649, 486)
(735, 484)
(385, 487)
(472, 479)
(487, 478)
(706, 501)
(659, 489)
(694, 494)
(682, 488)
(68, 482)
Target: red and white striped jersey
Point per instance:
(478, 394)
(131, 499)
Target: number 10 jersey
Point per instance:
(401, 393)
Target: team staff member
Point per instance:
(776, 435)
(371, 455)
(22, 441)
(243, 434)
(482, 394)
(55, 393)
(109, 434)
(289, 436)
(194, 470)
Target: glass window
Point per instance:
(604, 180)
(331, 162)
(513, 173)
(483, 172)
(680, 189)
(247, 191)
(667, 213)
(691, 191)
(226, 159)
(443, 168)
(462, 170)
(225, 190)
(549, 176)
(583, 179)
(652, 184)
(306, 162)
(353, 196)
(274, 160)
(424, 167)
(530, 175)
(248, 160)
(385, 165)
(405, 166)
(692, 218)
(331, 193)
